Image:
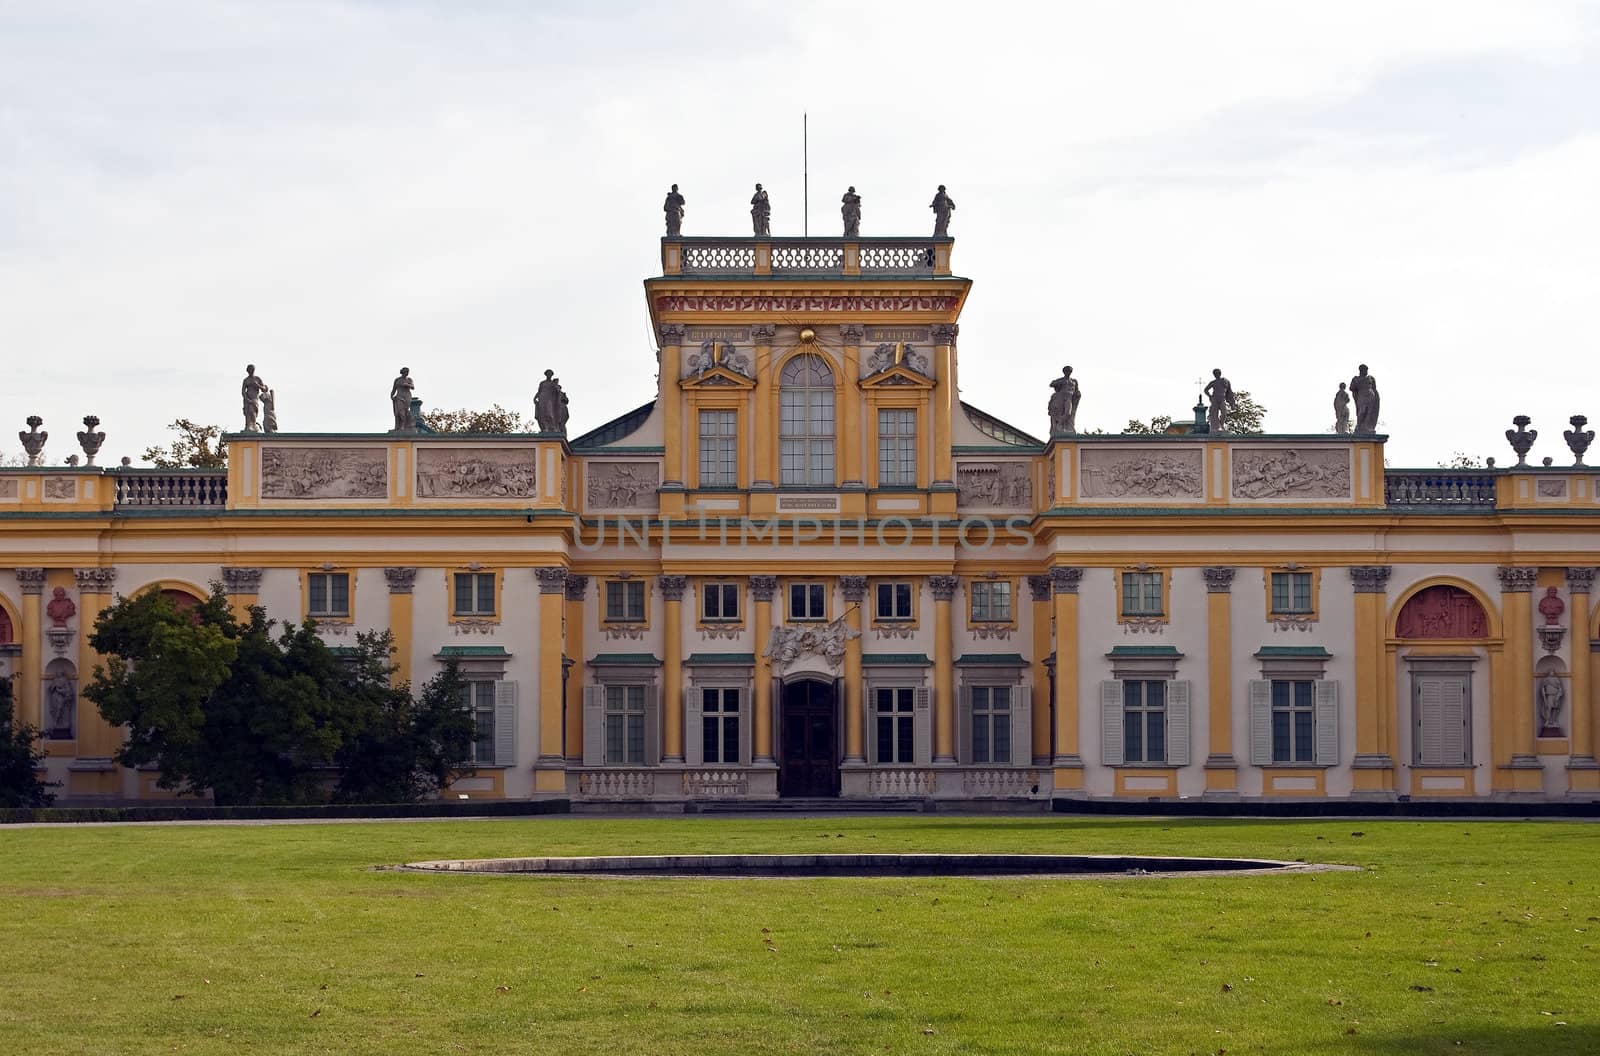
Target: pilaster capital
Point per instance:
(762, 588)
(401, 580)
(672, 587)
(854, 588)
(851, 334)
(763, 333)
(30, 580)
(1370, 579)
(671, 334)
(577, 587)
(1039, 587)
(1219, 579)
(552, 579)
(95, 580)
(1579, 580)
(1065, 580)
(943, 587)
(240, 580)
(945, 333)
(1516, 580)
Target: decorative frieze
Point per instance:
(622, 485)
(943, 587)
(64, 488)
(95, 580)
(324, 473)
(30, 580)
(1111, 473)
(475, 473)
(1370, 579)
(1515, 580)
(672, 587)
(552, 579)
(995, 484)
(1065, 580)
(1284, 472)
(805, 304)
(1219, 579)
(401, 580)
(239, 580)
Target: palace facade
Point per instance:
(809, 569)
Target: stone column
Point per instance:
(672, 405)
(854, 589)
(1373, 767)
(29, 695)
(551, 766)
(672, 588)
(944, 404)
(401, 581)
(576, 590)
(944, 670)
(1221, 767)
(1517, 712)
(850, 423)
(98, 740)
(1068, 763)
(766, 426)
(762, 591)
(1043, 706)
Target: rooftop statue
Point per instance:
(761, 213)
(269, 410)
(674, 211)
(400, 399)
(1064, 397)
(852, 213)
(1220, 392)
(1364, 387)
(550, 405)
(1341, 410)
(250, 390)
(90, 439)
(942, 207)
(1521, 438)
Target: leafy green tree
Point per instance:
(1246, 417)
(415, 746)
(20, 758)
(197, 447)
(495, 420)
(1462, 460)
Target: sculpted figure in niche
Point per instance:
(942, 207)
(761, 213)
(851, 209)
(1341, 410)
(62, 697)
(251, 390)
(1551, 694)
(1064, 397)
(1220, 392)
(674, 210)
(1364, 387)
(400, 400)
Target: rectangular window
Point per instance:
(991, 724)
(624, 724)
(897, 447)
(478, 698)
(1144, 721)
(1291, 592)
(893, 602)
(991, 601)
(719, 726)
(719, 602)
(474, 594)
(895, 718)
(1141, 594)
(719, 449)
(625, 600)
(1293, 722)
(808, 601)
(328, 594)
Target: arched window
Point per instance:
(183, 601)
(6, 633)
(806, 422)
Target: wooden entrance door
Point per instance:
(809, 763)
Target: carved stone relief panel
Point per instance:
(1004, 484)
(1552, 489)
(488, 473)
(8, 489)
(324, 473)
(1442, 612)
(1123, 473)
(622, 485)
(60, 488)
(1287, 472)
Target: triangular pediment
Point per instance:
(718, 377)
(895, 377)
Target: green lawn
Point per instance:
(1455, 937)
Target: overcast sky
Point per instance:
(330, 190)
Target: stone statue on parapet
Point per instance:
(1064, 397)
(674, 210)
(943, 205)
(250, 390)
(90, 439)
(1341, 410)
(1220, 392)
(761, 213)
(852, 213)
(400, 399)
(269, 411)
(1364, 388)
(550, 405)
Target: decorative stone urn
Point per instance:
(90, 440)
(1521, 438)
(1578, 438)
(33, 440)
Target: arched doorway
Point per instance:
(1454, 624)
(808, 763)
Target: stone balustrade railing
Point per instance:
(716, 784)
(166, 488)
(1456, 488)
(817, 257)
(982, 784)
(616, 784)
(901, 784)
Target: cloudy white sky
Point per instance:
(1146, 190)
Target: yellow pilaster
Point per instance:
(766, 407)
(850, 411)
(551, 768)
(1372, 771)
(671, 405)
(29, 695)
(944, 692)
(1222, 769)
(944, 407)
(576, 590)
(1067, 762)
(244, 590)
(854, 589)
(400, 582)
(1583, 773)
(1039, 590)
(762, 591)
(1515, 709)
(93, 773)
(672, 588)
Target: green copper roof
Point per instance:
(614, 430)
(1267, 652)
(991, 660)
(623, 660)
(464, 651)
(870, 659)
(740, 659)
(1118, 651)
